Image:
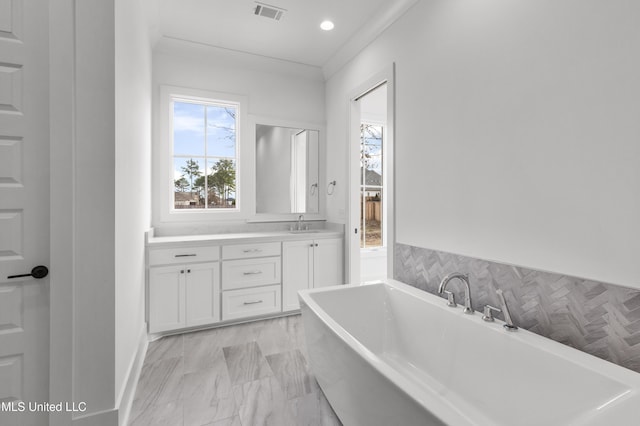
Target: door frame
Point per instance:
(385, 75)
(82, 255)
(62, 141)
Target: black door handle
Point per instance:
(37, 272)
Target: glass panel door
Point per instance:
(371, 185)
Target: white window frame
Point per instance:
(163, 179)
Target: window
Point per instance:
(204, 143)
(371, 185)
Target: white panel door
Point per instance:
(297, 271)
(167, 298)
(24, 208)
(328, 262)
(203, 294)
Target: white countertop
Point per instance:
(239, 238)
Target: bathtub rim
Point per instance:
(433, 401)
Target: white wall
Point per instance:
(373, 106)
(276, 89)
(516, 132)
(91, 303)
(82, 210)
(94, 181)
(132, 181)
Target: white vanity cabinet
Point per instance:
(310, 264)
(198, 281)
(297, 271)
(251, 280)
(183, 293)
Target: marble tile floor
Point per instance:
(249, 374)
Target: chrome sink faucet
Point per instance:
(467, 292)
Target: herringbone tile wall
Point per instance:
(597, 318)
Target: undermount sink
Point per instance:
(305, 231)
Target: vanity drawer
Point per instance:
(250, 272)
(251, 302)
(170, 256)
(244, 251)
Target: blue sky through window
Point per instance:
(188, 129)
(189, 135)
(221, 131)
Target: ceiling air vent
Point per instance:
(268, 11)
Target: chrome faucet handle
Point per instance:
(488, 313)
(509, 326)
(451, 300)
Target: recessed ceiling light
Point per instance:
(327, 25)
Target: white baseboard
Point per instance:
(102, 418)
(127, 394)
(119, 416)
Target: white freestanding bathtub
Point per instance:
(389, 354)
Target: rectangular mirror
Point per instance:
(286, 170)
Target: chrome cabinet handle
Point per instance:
(252, 251)
(253, 303)
(488, 313)
(185, 255)
(252, 273)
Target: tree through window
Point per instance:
(205, 155)
(371, 185)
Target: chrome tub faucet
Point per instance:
(507, 317)
(467, 291)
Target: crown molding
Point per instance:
(365, 35)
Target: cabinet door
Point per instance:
(202, 293)
(166, 298)
(297, 271)
(328, 262)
